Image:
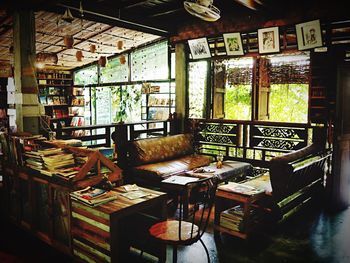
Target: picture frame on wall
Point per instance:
(233, 44)
(309, 34)
(199, 48)
(268, 40)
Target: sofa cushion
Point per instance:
(156, 172)
(159, 149)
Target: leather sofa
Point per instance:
(149, 161)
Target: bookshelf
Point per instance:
(3, 104)
(54, 89)
(158, 100)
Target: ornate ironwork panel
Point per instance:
(218, 133)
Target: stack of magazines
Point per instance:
(93, 196)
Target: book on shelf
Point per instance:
(63, 100)
(76, 111)
(56, 100)
(53, 91)
(43, 99)
(78, 101)
(92, 196)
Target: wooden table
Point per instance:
(97, 231)
(247, 200)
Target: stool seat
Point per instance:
(168, 231)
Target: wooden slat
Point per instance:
(78, 245)
(77, 232)
(91, 226)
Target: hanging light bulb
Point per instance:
(122, 59)
(102, 61)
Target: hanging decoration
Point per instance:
(120, 44)
(79, 55)
(68, 41)
(67, 16)
(122, 59)
(92, 48)
(102, 61)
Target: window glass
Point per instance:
(116, 70)
(86, 76)
(150, 63)
(197, 84)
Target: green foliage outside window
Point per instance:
(289, 103)
(238, 100)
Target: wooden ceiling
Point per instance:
(138, 21)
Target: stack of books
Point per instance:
(232, 218)
(93, 196)
(34, 159)
(58, 161)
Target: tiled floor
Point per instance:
(311, 236)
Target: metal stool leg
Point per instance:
(174, 254)
(206, 250)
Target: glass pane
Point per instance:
(150, 63)
(238, 95)
(197, 79)
(103, 105)
(117, 70)
(130, 104)
(173, 65)
(86, 76)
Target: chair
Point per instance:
(186, 231)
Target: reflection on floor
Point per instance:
(310, 236)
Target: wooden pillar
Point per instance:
(26, 92)
(181, 80)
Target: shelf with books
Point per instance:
(243, 217)
(158, 100)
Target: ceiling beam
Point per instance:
(122, 22)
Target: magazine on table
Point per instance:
(93, 196)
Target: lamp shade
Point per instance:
(102, 61)
(92, 48)
(122, 59)
(68, 41)
(79, 55)
(120, 45)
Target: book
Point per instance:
(240, 188)
(135, 194)
(178, 179)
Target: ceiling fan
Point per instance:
(202, 9)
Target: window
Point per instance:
(150, 63)
(86, 76)
(238, 89)
(115, 71)
(289, 88)
(197, 80)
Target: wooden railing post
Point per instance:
(108, 136)
(120, 138)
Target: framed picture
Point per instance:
(233, 44)
(199, 48)
(309, 34)
(269, 40)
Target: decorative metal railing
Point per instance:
(243, 140)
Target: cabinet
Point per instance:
(54, 91)
(158, 100)
(3, 103)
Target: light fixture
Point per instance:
(102, 61)
(203, 9)
(68, 41)
(120, 44)
(67, 16)
(122, 59)
(92, 48)
(79, 55)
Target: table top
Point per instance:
(123, 205)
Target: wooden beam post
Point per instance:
(181, 80)
(26, 87)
